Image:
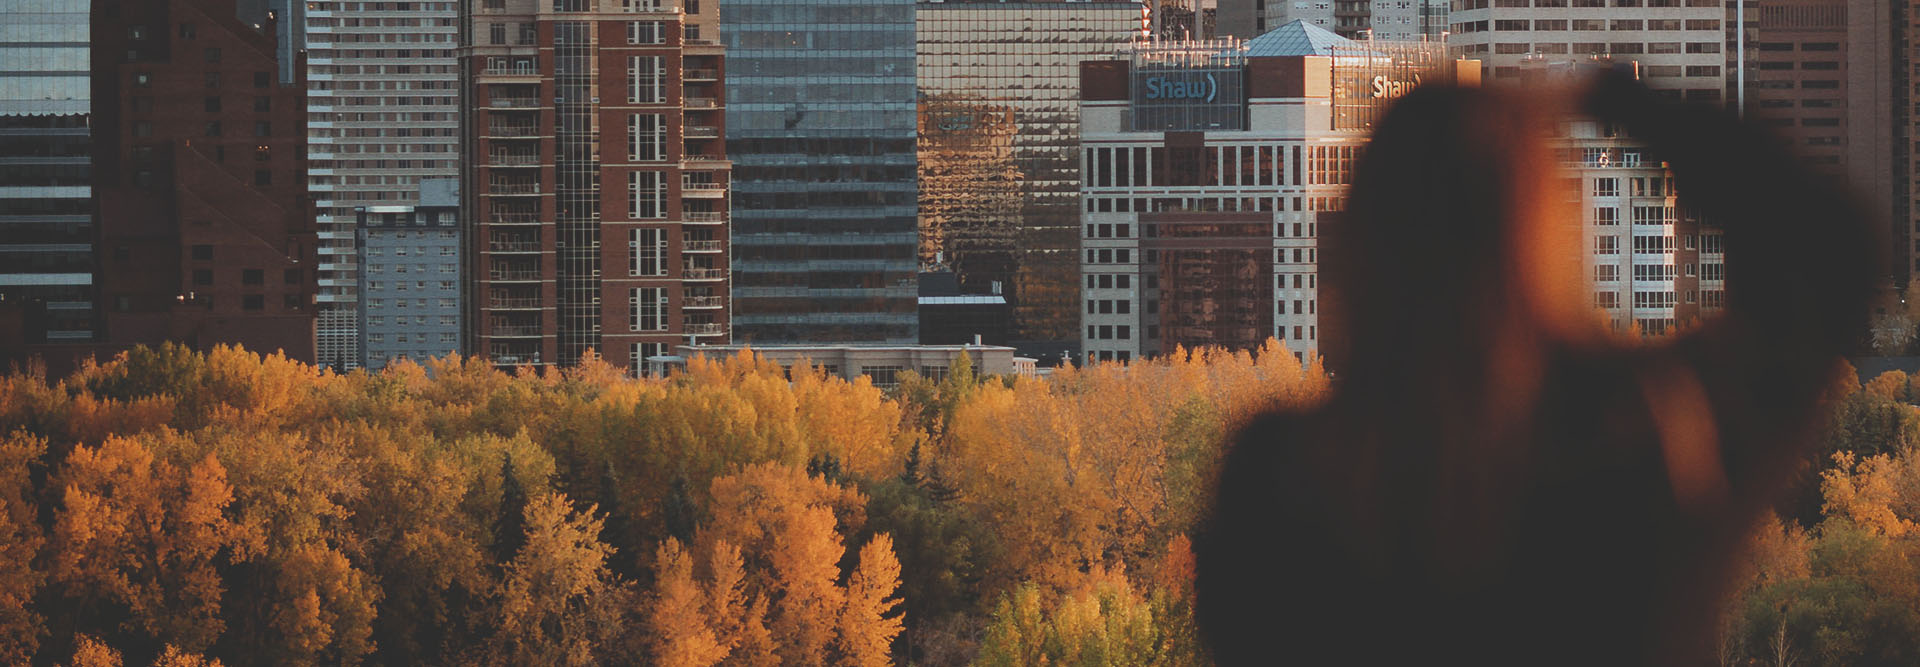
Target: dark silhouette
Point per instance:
(1494, 479)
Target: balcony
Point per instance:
(513, 160)
(703, 189)
(703, 302)
(693, 245)
(702, 157)
(513, 103)
(513, 131)
(702, 132)
(514, 246)
(706, 329)
(512, 70)
(513, 303)
(515, 359)
(514, 331)
(512, 276)
(513, 188)
(514, 218)
(703, 274)
(704, 217)
(701, 74)
(700, 103)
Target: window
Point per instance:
(262, 177)
(253, 277)
(202, 277)
(646, 32)
(1606, 215)
(203, 252)
(262, 128)
(497, 33)
(1606, 187)
(1606, 245)
(1606, 273)
(646, 79)
(213, 54)
(211, 104)
(253, 302)
(647, 308)
(291, 276)
(213, 128)
(262, 79)
(647, 195)
(646, 137)
(647, 252)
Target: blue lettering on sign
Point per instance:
(1162, 88)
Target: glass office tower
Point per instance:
(821, 133)
(46, 208)
(999, 86)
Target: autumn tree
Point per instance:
(868, 623)
(679, 631)
(144, 538)
(21, 626)
(558, 604)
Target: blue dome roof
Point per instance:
(1296, 38)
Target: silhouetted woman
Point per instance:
(1495, 479)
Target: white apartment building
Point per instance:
(383, 89)
(1655, 268)
(1677, 45)
(1207, 169)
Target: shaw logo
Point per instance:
(1162, 88)
(1386, 88)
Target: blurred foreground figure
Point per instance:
(1496, 480)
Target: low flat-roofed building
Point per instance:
(883, 363)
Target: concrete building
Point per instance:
(1399, 20)
(1208, 169)
(821, 129)
(882, 364)
(1676, 44)
(383, 89)
(597, 180)
(1826, 76)
(411, 284)
(999, 170)
(205, 230)
(1656, 268)
(46, 170)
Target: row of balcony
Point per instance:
(534, 303)
(532, 218)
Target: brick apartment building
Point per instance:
(596, 179)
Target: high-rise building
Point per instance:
(1655, 267)
(596, 180)
(821, 130)
(411, 254)
(1381, 19)
(1823, 75)
(204, 231)
(1677, 45)
(383, 89)
(1209, 170)
(999, 167)
(46, 193)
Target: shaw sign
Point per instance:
(1204, 89)
(1385, 88)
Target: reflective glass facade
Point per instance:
(999, 97)
(821, 132)
(46, 209)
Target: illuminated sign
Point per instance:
(1386, 89)
(1186, 98)
(1205, 89)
